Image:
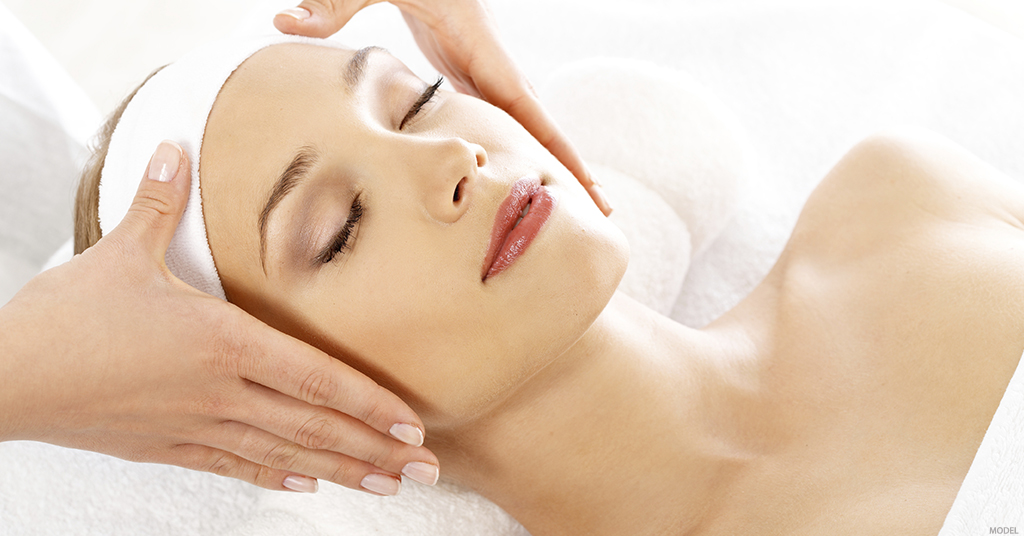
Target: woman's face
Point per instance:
(344, 210)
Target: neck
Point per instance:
(643, 425)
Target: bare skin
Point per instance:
(849, 391)
(847, 394)
(460, 39)
(179, 377)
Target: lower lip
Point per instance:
(542, 204)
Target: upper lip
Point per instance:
(505, 220)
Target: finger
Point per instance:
(524, 106)
(159, 202)
(318, 18)
(491, 74)
(268, 450)
(428, 43)
(319, 428)
(302, 372)
(223, 463)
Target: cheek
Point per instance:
(450, 346)
(478, 122)
(413, 319)
(442, 342)
(572, 273)
(412, 314)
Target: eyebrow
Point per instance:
(357, 65)
(297, 170)
(306, 158)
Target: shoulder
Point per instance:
(936, 173)
(909, 229)
(913, 236)
(931, 173)
(901, 182)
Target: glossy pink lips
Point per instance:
(519, 219)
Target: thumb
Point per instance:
(159, 202)
(319, 18)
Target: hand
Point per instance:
(460, 39)
(112, 353)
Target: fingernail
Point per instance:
(301, 484)
(382, 484)
(597, 194)
(164, 165)
(407, 433)
(296, 13)
(424, 473)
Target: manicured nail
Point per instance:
(407, 433)
(164, 165)
(424, 473)
(296, 13)
(597, 194)
(301, 484)
(382, 484)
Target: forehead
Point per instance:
(282, 98)
(282, 66)
(286, 97)
(273, 88)
(268, 101)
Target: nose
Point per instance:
(450, 177)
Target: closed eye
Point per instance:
(342, 239)
(421, 102)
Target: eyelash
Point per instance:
(341, 241)
(425, 97)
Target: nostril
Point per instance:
(458, 191)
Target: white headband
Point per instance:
(175, 105)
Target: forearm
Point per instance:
(41, 338)
(17, 338)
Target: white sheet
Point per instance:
(45, 121)
(805, 80)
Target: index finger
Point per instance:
(521, 102)
(303, 372)
(319, 18)
(529, 112)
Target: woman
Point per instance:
(378, 218)
(194, 377)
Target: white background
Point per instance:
(109, 46)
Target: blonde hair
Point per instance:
(87, 198)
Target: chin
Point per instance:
(595, 250)
(545, 303)
(582, 265)
(594, 265)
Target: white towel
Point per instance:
(806, 79)
(661, 249)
